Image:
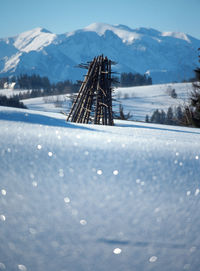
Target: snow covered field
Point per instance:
(139, 101)
(85, 197)
(143, 100)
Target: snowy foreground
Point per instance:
(84, 197)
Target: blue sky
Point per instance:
(60, 16)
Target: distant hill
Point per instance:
(136, 101)
(165, 56)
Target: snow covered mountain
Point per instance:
(165, 56)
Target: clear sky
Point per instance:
(61, 16)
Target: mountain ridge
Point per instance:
(165, 56)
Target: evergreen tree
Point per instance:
(195, 100)
(130, 79)
(158, 117)
(179, 114)
(11, 102)
(147, 118)
(121, 115)
(155, 118)
(174, 94)
(162, 117)
(170, 116)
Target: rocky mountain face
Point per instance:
(165, 56)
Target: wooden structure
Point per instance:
(94, 100)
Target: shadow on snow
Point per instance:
(157, 128)
(142, 244)
(39, 119)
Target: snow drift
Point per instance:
(87, 197)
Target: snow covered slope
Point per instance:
(138, 101)
(144, 100)
(166, 56)
(34, 40)
(87, 197)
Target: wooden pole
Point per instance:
(95, 94)
(79, 94)
(83, 91)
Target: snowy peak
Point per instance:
(177, 35)
(43, 30)
(128, 35)
(124, 33)
(99, 28)
(33, 40)
(142, 50)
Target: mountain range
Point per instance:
(165, 56)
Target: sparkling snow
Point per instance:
(116, 201)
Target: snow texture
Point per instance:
(87, 197)
(34, 40)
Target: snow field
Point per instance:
(89, 197)
(144, 100)
(139, 101)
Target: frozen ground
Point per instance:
(139, 101)
(143, 100)
(84, 197)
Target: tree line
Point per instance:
(11, 102)
(173, 116)
(37, 86)
(36, 82)
(134, 79)
(39, 83)
(188, 115)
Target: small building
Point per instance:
(12, 85)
